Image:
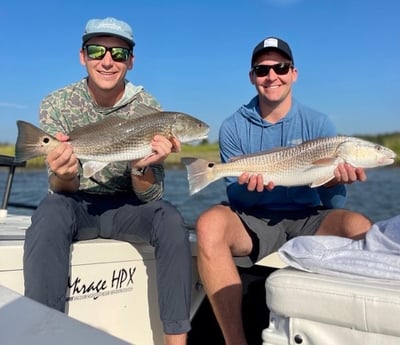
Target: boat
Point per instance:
(112, 289)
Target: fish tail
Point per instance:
(200, 174)
(29, 141)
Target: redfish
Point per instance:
(112, 139)
(311, 163)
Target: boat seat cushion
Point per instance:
(368, 305)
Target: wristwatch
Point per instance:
(138, 171)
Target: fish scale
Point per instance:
(310, 163)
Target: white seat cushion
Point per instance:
(368, 305)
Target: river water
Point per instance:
(378, 197)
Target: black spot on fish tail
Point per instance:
(200, 173)
(30, 141)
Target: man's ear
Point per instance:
(82, 57)
(251, 77)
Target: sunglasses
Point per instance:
(279, 68)
(97, 52)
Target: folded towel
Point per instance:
(376, 256)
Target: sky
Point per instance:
(194, 56)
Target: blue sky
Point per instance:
(193, 56)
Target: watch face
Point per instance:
(138, 171)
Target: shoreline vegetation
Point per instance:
(210, 151)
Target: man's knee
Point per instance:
(345, 223)
(53, 214)
(172, 224)
(213, 227)
(356, 225)
(212, 218)
(53, 202)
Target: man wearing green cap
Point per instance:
(123, 201)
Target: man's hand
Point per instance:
(345, 173)
(161, 147)
(62, 161)
(255, 182)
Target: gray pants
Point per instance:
(62, 219)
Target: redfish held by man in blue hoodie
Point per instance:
(311, 163)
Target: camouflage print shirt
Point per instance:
(72, 106)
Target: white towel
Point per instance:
(376, 256)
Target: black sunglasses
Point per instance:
(97, 52)
(279, 68)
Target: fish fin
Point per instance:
(92, 167)
(143, 109)
(249, 155)
(325, 161)
(200, 173)
(111, 121)
(149, 155)
(321, 181)
(29, 141)
(94, 128)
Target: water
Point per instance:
(378, 197)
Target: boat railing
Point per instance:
(9, 161)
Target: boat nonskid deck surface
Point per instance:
(26, 322)
(13, 227)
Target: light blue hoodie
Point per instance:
(246, 132)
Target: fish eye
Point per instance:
(211, 164)
(378, 147)
(46, 140)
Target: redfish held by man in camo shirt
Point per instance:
(113, 138)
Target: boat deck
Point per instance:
(12, 227)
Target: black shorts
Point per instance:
(271, 230)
